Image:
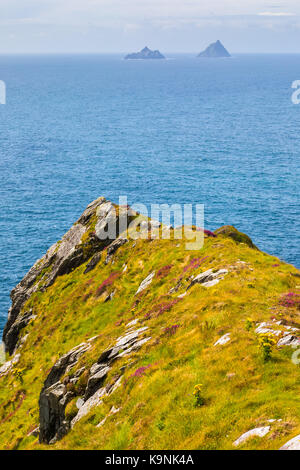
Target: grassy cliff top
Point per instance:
(147, 399)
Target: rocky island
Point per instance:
(145, 54)
(107, 343)
(215, 50)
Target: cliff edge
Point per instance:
(138, 343)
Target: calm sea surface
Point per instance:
(223, 133)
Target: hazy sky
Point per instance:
(168, 25)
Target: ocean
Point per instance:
(223, 133)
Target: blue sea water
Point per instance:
(223, 133)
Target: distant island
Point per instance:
(145, 54)
(215, 50)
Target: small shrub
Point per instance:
(171, 330)
(208, 233)
(266, 343)
(290, 300)
(107, 283)
(141, 371)
(138, 373)
(249, 324)
(163, 272)
(19, 375)
(207, 326)
(199, 400)
(161, 308)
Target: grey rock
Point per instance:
(79, 372)
(209, 278)
(257, 432)
(96, 368)
(65, 363)
(112, 412)
(132, 323)
(265, 327)
(80, 403)
(289, 340)
(52, 412)
(93, 401)
(292, 444)
(92, 263)
(35, 432)
(54, 397)
(7, 366)
(223, 340)
(95, 381)
(110, 297)
(145, 283)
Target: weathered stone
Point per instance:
(132, 323)
(125, 343)
(293, 444)
(92, 263)
(112, 412)
(257, 432)
(13, 333)
(109, 297)
(54, 396)
(289, 340)
(7, 366)
(93, 401)
(223, 340)
(35, 432)
(95, 381)
(79, 403)
(209, 278)
(145, 283)
(65, 363)
(135, 346)
(52, 412)
(264, 328)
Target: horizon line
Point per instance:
(124, 53)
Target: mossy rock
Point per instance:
(239, 237)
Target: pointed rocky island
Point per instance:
(215, 50)
(145, 54)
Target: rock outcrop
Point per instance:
(145, 54)
(239, 237)
(75, 248)
(215, 50)
(257, 432)
(292, 444)
(56, 394)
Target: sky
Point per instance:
(100, 26)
